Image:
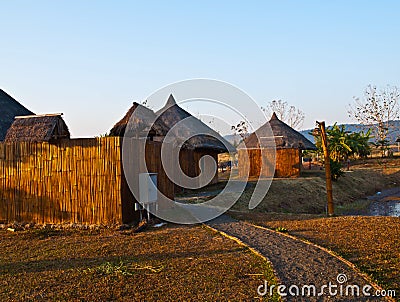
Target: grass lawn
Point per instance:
(371, 243)
(174, 263)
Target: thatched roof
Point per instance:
(141, 124)
(37, 128)
(9, 109)
(171, 114)
(285, 137)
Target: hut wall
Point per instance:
(61, 130)
(153, 164)
(287, 163)
(79, 181)
(250, 165)
(189, 161)
(198, 154)
(186, 159)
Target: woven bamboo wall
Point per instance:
(287, 163)
(71, 181)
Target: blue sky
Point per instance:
(91, 59)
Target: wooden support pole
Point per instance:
(328, 176)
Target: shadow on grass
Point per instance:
(37, 266)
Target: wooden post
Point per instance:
(324, 140)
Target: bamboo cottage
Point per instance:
(289, 145)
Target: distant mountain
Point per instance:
(393, 134)
(234, 139)
(9, 109)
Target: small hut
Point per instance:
(10, 108)
(38, 128)
(289, 145)
(202, 140)
(156, 126)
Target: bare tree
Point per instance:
(291, 115)
(377, 109)
(241, 129)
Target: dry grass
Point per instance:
(306, 194)
(168, 264)
(371, 243)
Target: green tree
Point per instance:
(359, 143)
(342, 145)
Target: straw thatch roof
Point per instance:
(285, 137)
(141, 123)
(37, 128)
(201, 136)
(9, 109)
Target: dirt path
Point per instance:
(296, 262)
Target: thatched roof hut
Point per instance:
(171, 114)
(285, 137)
(38, 128)
(10, 108)
(197, 139)
(141, 124)
(173, 125)
(257, 158)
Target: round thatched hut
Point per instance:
(289, 145)
(194, 137)
(207, 142)
(141, 124)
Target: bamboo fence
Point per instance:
(78, 181)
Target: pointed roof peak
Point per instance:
(171, 100)
(274, 117)
(285, 136)
(135, 104)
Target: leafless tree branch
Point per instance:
(376, 109)
(291, 115)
